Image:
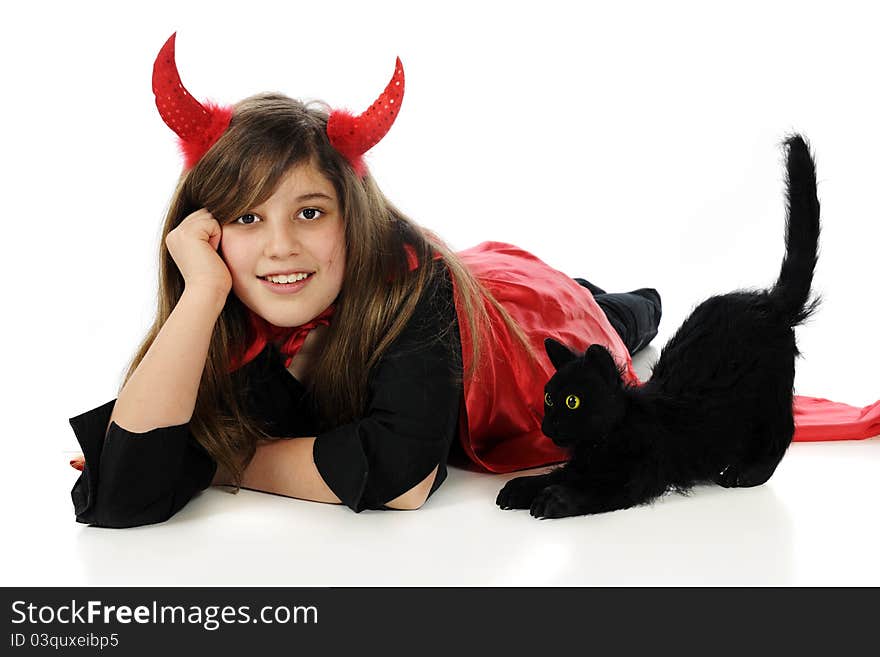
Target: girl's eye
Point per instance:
(308, 214)
(246, 219)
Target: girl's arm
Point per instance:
(142, 465)
(162, 390)
(287, 467)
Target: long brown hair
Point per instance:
(269, 134)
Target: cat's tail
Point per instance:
(792, 290)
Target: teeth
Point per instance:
(290, 278)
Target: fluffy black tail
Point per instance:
(792, 290)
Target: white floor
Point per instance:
(814, 523)
(645, 153)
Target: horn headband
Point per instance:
(199, 125)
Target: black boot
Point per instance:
(595, 289)
(634, 315)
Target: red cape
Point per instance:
(500, 422)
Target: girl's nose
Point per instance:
(282, 240)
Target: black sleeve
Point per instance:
(132, 479)
(412, 413)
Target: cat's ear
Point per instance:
(598, 357)
(559, 354)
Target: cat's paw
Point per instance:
(558, 501)
(519, 493)
(727, 478)
(745, 477)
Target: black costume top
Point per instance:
(410, 423)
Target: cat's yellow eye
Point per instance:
(572, 401)
(547, 399)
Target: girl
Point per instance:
(310, 340)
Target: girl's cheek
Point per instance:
(231, 250)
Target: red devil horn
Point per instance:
(198, 126)
(355, 135)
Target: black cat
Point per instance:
(718, 405)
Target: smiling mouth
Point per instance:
(286, 280)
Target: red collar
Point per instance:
(289, 339)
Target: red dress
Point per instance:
(500, 422)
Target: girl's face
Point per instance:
(297, 230)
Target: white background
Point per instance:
(634, 144)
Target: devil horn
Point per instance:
(353, 136)
(197, 126)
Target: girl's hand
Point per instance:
(78, 462)
(193, 246)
